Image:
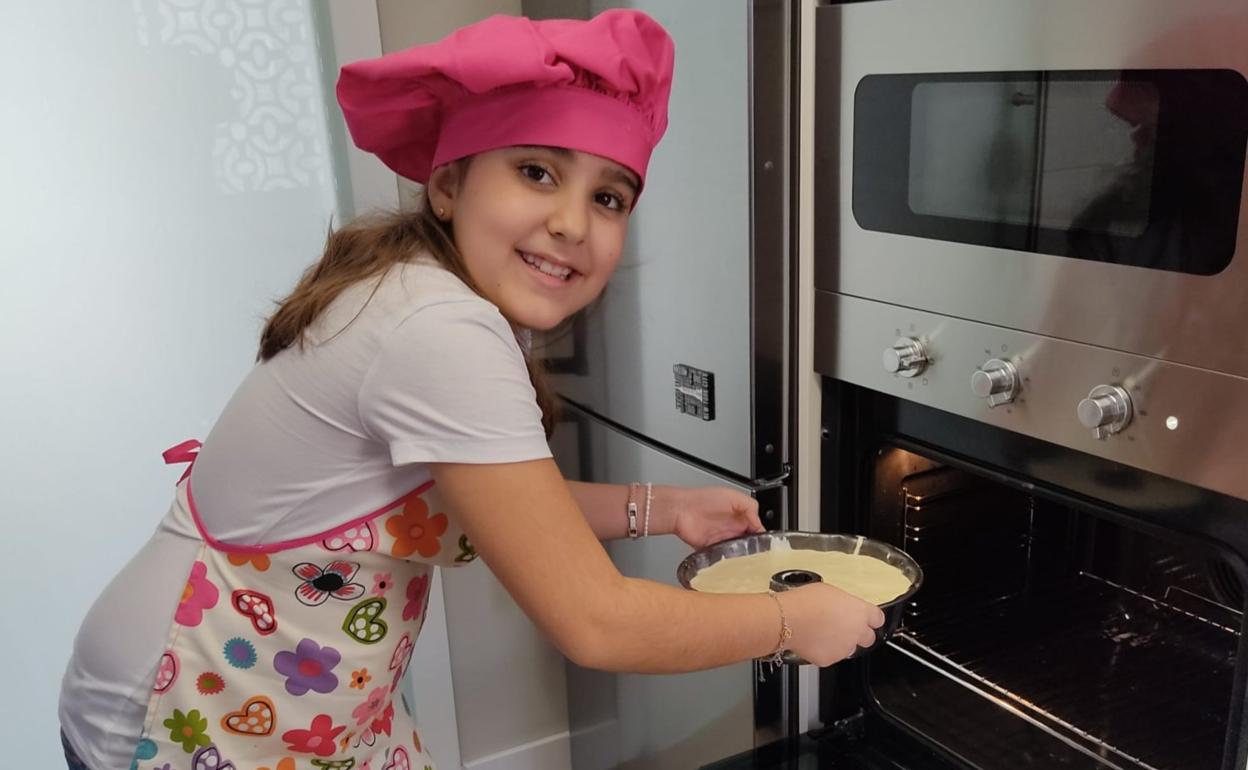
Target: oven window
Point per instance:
(1047, 636)
(998, 169)
(1139, 167)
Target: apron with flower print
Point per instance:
(289, 656)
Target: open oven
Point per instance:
(1076, 613)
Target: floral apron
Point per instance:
(289, 656)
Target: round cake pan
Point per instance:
(812, 541)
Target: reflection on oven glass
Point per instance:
(1116, 648)
(1058, 154)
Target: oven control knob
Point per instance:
(997, 381)
(906, 358)
(1106, 411)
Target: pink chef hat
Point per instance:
(599, 86)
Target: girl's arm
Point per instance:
(605, 507)
(699, 516)
(526, 526)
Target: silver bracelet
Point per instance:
(632, 511)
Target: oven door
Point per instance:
(1067, 168)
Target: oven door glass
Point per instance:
(1134, 167)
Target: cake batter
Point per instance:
(866, 577)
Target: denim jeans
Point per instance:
(71, 758)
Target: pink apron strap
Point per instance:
(186, 452)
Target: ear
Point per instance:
(443, 188)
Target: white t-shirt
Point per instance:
(423, 371)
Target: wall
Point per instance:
(167, 173)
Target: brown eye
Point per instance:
(610, 200)
(535, 173)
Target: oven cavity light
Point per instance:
(1172, 422)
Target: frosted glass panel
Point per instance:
(166, 173)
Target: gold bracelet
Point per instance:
(786, 633)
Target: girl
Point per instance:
(395, 423)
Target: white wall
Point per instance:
(165, 172)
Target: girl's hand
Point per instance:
(828, 624)
(707, 515)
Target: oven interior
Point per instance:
(1049, 633)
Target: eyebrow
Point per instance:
(623, 178)
(612, 173)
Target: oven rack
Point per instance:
(1123, 678)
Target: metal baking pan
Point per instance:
(812, 541)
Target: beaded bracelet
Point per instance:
(649, 494)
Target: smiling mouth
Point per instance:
(547, 268)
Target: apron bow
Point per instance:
(186, 452)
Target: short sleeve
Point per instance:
(450, 385)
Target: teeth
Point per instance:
(546, 267)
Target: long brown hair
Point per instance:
(366, 248)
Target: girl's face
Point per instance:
(540, 228)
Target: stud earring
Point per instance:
(441, 213)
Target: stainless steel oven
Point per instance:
(1031, 245)
(1034, 211)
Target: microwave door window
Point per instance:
(974, 149)
(1034, 153)
(1097, 149)
(1136, 167)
